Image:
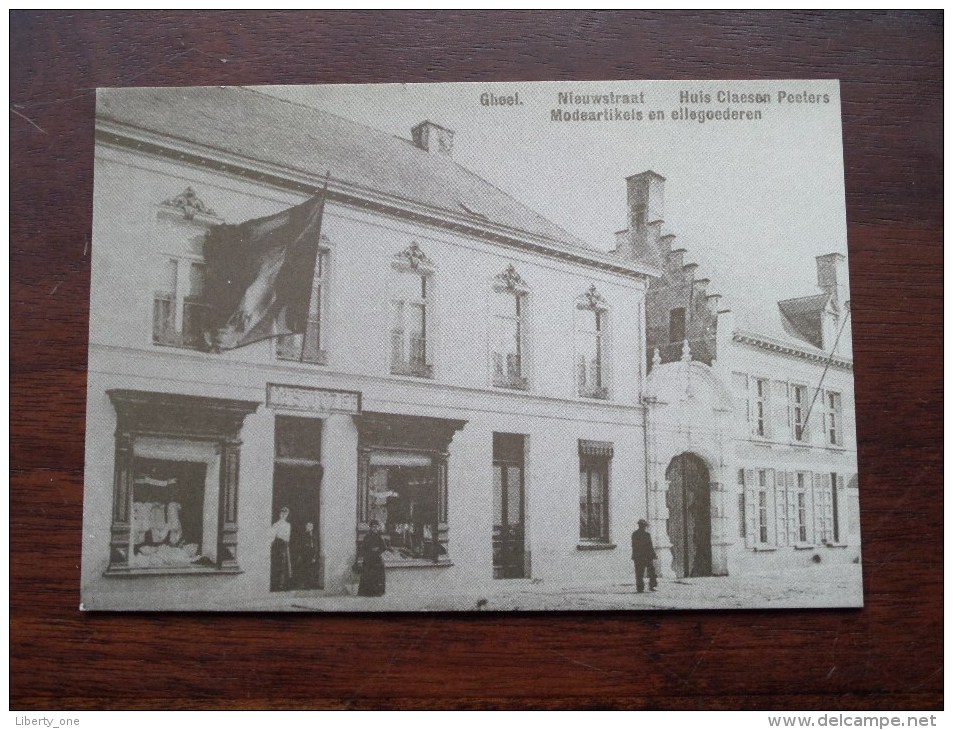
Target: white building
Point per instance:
(472, 375)
(751, 447)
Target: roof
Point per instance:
(801, 317)
(793, 322)
(254, 125)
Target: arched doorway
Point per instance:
(689, 515)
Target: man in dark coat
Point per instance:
(643, 555)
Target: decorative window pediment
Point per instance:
(189, 204)
(511, 281)
(413, 259)
(593, 300)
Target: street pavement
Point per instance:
(812, 587)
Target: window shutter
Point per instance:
(775, 505)
(793, 512)
(780, 411)
(751, 509)
(820, 486)
(811, 506)
(753, 405)
(841, 504)
(781, 509)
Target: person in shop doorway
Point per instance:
(306, 551)
(281, 572)
(643, 555)
(372, 570)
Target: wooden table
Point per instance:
(886, 656)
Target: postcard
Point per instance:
(470, 347)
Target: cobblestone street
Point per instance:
(815, 587)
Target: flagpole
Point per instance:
(314, 271)
(807, 417)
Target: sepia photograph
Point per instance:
(536, 346)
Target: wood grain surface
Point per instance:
(886, 656)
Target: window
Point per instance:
(825, 488)
(768, 518)
(169, 499)
(409, 327)
(402, 484)
(179, 317)
(176, 483)
(409, 330)
(591, 326)
(762, 493)
(832, 418)
(403, 499)
(508, 351)
(676, 325)
(509, 331)
(309, 347)
(799, 406)
(594, 460)
(760, 407)
(801, 507)
(178, 314)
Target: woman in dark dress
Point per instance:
(372, 572)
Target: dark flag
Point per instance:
(259, 275)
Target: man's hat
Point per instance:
(643, 523)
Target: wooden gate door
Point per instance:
(689, 509)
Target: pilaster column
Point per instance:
(120, 537)
(658, 523)
(719, 529)
(228, 500)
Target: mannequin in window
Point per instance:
(173, 523)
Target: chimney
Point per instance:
(433, 138)
(645, 196)
(832, 277)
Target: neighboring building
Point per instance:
(471, 377)
(751, 450)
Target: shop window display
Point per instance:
(403, 499)
(167, 508)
